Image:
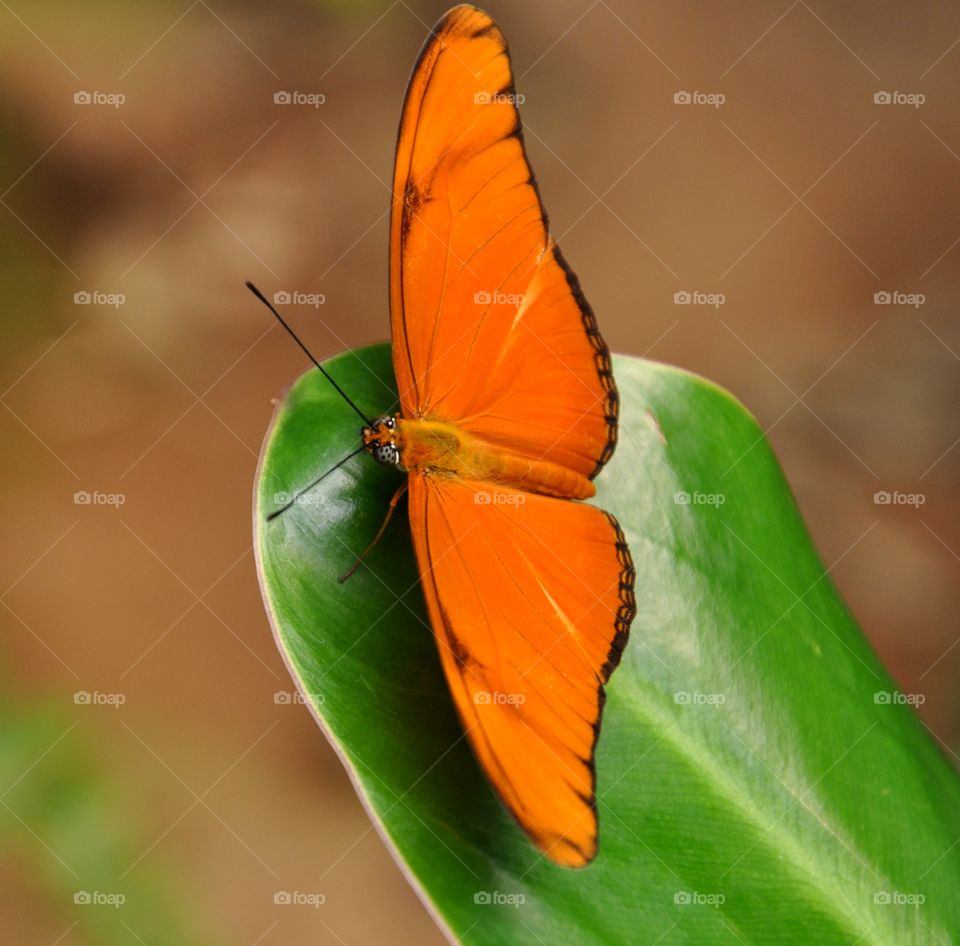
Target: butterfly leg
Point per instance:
(390, 510)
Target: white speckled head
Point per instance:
(379, 440)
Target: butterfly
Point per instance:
(508, 411)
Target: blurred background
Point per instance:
(767, 195)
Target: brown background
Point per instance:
(798, 199)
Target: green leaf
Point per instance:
(757, 781)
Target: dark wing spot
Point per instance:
(484, 30)
(459, 650)
(412, 202)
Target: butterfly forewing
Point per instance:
(490, 327)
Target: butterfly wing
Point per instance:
(526, 651)
(487, 318)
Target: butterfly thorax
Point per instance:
(442, 448)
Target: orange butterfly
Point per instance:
(508, 409)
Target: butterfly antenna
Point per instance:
(306, 351)
(296, 496)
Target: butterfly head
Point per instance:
(380, 440)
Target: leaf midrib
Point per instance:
(792, 851)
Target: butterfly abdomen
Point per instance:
(442, 448)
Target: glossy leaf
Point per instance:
(760, 780)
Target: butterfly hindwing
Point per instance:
(526, 651)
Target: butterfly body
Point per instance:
(441, 448)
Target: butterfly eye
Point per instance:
(390, 423)
(387, 454)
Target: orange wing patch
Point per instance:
(487, 318)
(527, 649)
